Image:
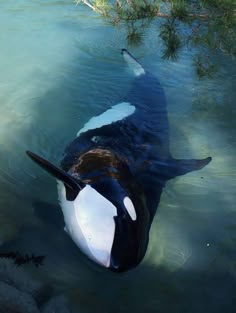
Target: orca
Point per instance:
(112, 174)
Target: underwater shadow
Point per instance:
(147, 288)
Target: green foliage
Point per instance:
(135, 36)
(180, 11)
(211, 26)
(207, 25)
(204, 67)
(171, 39)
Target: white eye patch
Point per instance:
(130, 208)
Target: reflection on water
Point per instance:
(60, 65)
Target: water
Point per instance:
(60, 65)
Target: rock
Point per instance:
(20, 293)
(16, 277)
(57, 304)
(14, 301)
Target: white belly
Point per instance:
(89, 221)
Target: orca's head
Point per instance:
(104, 210)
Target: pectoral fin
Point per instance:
(183, 166)
(170, 168)
(72, 186)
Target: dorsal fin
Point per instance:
(72, 186)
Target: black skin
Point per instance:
(141, 143)
(143, 140)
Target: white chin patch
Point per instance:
(130, 208)
(90, 222)
(114, 114)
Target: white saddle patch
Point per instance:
(90, 222)
(115, 113)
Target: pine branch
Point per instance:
(192, 15)
(94, 8)
(158, 14)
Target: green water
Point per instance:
(60, 65)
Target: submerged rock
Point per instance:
(20, 293)
(16, 277)
(57, 304)
(12, 300)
